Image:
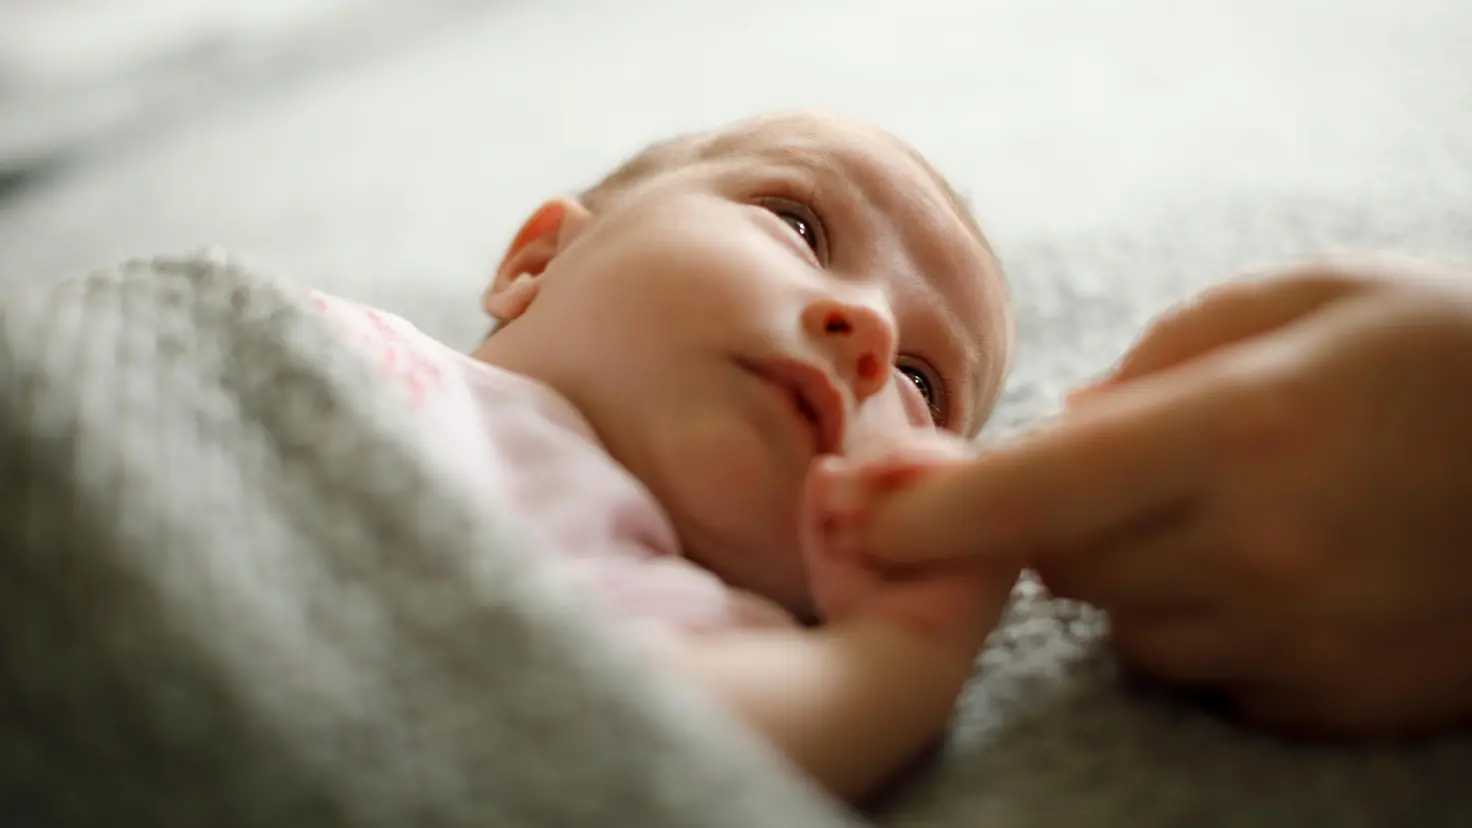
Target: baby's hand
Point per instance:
(952, 601)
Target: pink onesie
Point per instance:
(521, 446)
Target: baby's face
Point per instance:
(807, 287)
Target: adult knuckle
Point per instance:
(1057, 578)
(1156, 652)
(1184, 318)
(1209, 302)
(1278, 560)
(1271, 412)
(1358, 272)
(1300, 696)
(1269, 709)
(1334, 271)
(1132, 644)
(1345, 709)
(1272, 463)
(1380, 268)
(1234, 291)
(1292, 714)
(1159, 337)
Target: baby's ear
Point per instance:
(544, 235)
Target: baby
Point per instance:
(701, 366)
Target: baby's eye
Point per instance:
(929, 390)
(803, 221)
(801, 227)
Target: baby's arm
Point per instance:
(851, 703)
(855, 701)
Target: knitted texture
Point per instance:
(230, 595)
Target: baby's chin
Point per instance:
(733, 498)
(748, 550)
(766, 567)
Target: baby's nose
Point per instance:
(858, 338)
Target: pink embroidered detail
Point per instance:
(398, 356)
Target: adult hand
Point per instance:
(1270, 497)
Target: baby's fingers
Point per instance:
(846, 488)
(837, 579)
(960, 603)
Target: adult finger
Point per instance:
(1146, 449)
(1230, 313)
(1191, 649)
(1396, 683)
(1295, 712)
(1169, 565)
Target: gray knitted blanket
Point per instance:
(231, 595)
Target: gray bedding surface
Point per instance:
(232, 594)
(1121, 155)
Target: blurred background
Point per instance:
(1119, 153)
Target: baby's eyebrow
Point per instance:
(811, 158)
(972, 356)
(815, 162)
(961, 297)
(805, 153)
(959, 202)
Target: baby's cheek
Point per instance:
(750, 541)
(720, 483)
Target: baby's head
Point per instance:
(727, 306)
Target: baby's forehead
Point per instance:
(815, 139)
(836, 146)
(841, 145)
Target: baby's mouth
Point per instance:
(815, 397)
